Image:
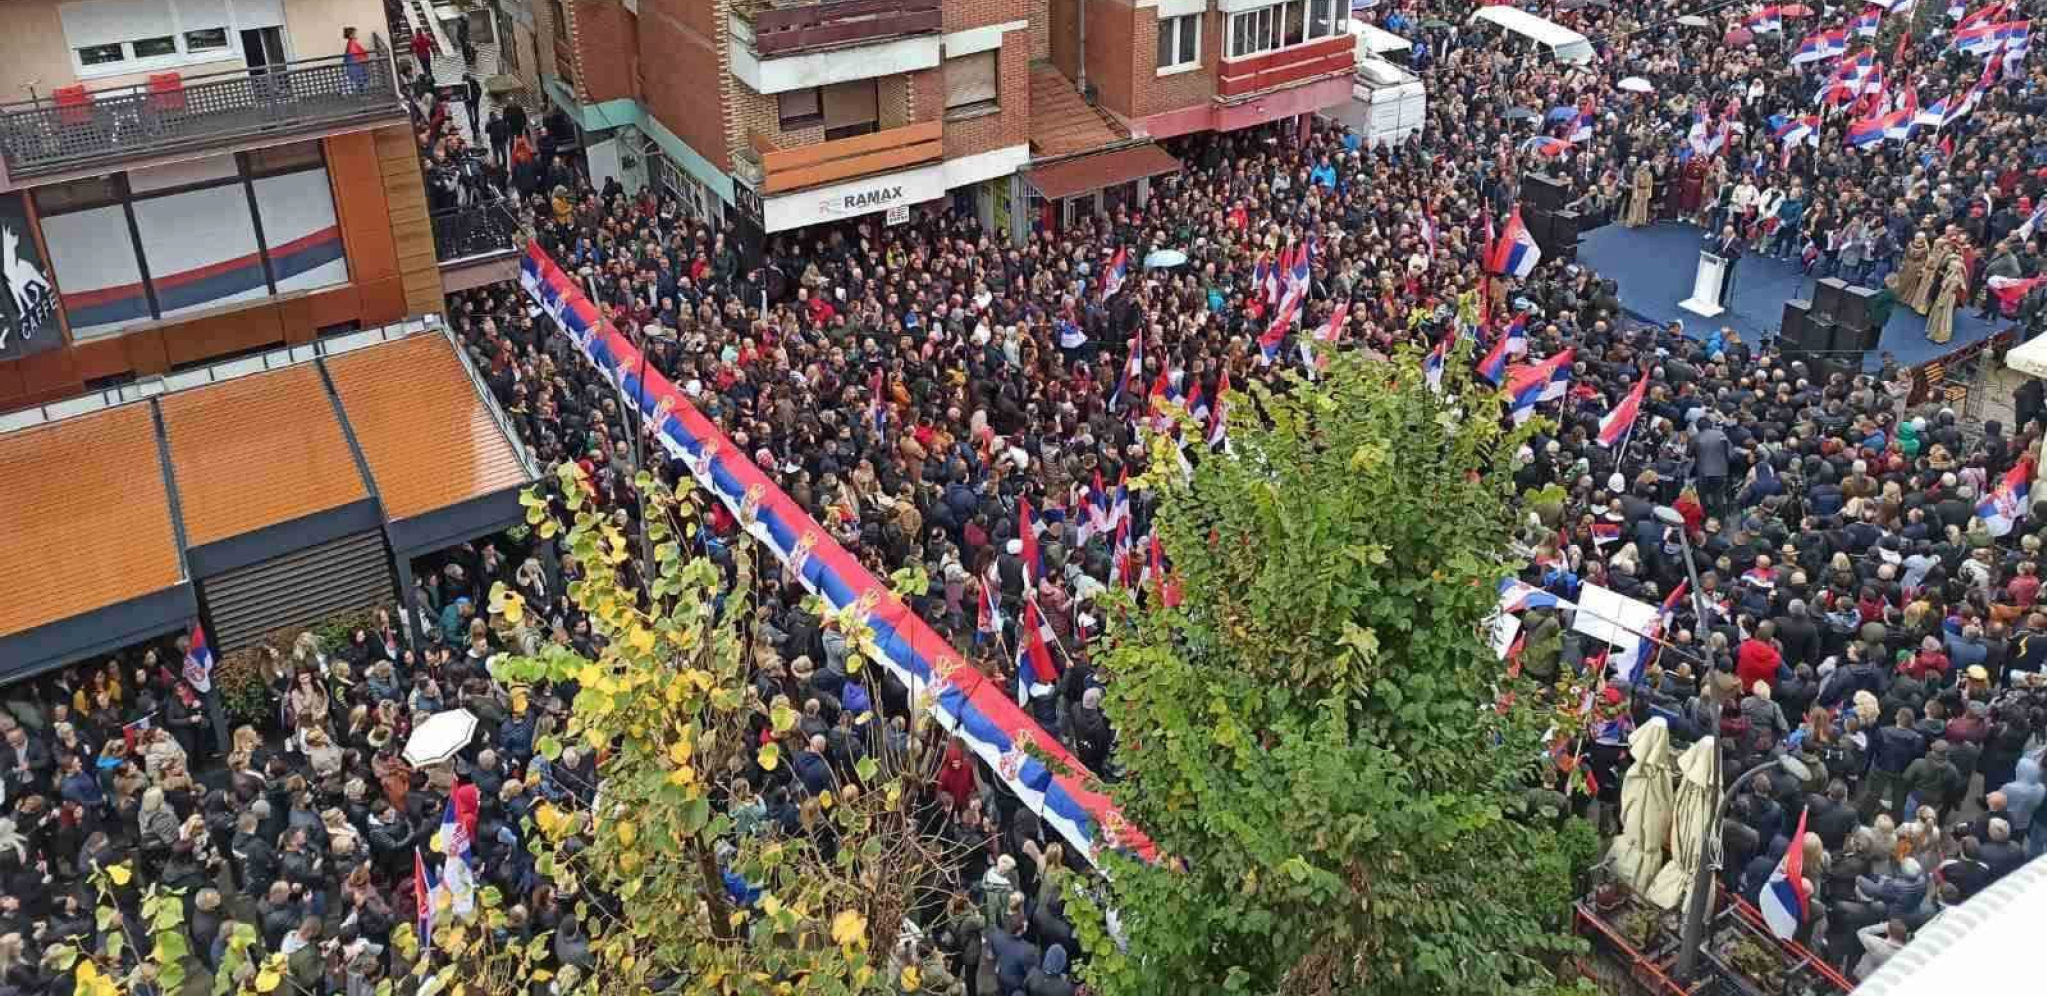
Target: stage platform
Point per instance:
(1654, 267)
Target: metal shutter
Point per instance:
(298, 589)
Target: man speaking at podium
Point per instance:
(1727, 247)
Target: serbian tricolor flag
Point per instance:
(1515, 253)
(1615, 424)
(1605, 532)
(1792, 131)
(1980, 38)
(1511, 344)
(877, 409)
(1784, 899)
(1133, 372)
(1432, 367)
(1119, 554)
(1517, 596)
(989, 620)
(1545, 147)
(1275, 333)
(1261, 274)
(1299, 273)
(1895, 6)
(1821, 46)
(1155, 573)
(1035, 671)
(198, 667)
(1119, 503)
(1867, 23)
(1275, 276)
(1112, 274)
(1428, 228)
(1531, 384)
(1902, 121)
(1094, 517)
(1865, 132)
(423, 887)
(1328, 334)
(1765, 20)
(1582, 124)
(1218, 429)
(458, 827)
(2005, 505)
(1027, 534)
(2025, 231)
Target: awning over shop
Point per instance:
(447, 467)
(1078, 176)
(277, 489)
(89, 533)
(2029, 358)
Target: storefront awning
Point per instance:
(1078, 176)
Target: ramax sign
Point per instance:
(854, 198)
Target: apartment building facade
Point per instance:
(183, 180)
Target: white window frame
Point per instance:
(130, 63)
(1268, 24)
(1169, 57)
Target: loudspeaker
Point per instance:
(1815, 338)
(1542, 193)
(1538, 225)
(1854, 310)
(1564, 227)
(1827, 295)
(1792, 330)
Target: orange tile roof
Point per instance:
(88, 519)
(1061, 122)
(430, 440)
(257, 451)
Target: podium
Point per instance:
(1705, 299)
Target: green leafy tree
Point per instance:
(1306, 735)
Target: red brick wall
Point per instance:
(607, 50)
(684, 63)
(1041, 29)
(1063, 47)
(963, 14)
(1111, 46)
(1012, 125)
(1157, 94)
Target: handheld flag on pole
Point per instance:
(1516, 252)
(1432, 367)
(1821, 46)
(1112, 274)
(1218, 429)
(1531, 384)
(2005, 505)
(424, 887)
(1784, 898)
(458, 881)
(1867, 23)
(1036, 674)
(1514, 342)
(198, 668)
(1616, 423)
(1027, 534)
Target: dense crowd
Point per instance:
(911, 386)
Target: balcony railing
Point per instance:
(786, 27)
(782, 170)
(172, 113)
(1298, 64)
(476, 232)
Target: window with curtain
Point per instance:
(971, 83)
(1179, 42)
(851, 108)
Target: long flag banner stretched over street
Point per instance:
(978, 711)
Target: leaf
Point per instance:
(514, 609)
(911, 979)
(770, 756)
(549, 528)
(783, 718)
(867, 769)
(848, 926)
(627, 832)
(119, 873)
(680, 752)
(641, 639)
(268, 980)
(549, 747)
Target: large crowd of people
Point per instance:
(910, 386)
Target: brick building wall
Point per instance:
(685, 60)
(1012, 124)
(607, 50)
(1041, 30)
(1155, 94)
(1111, 61)
(963, 14)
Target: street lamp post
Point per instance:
(1671, 517)
(1702, 878)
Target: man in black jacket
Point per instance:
(1798, 637)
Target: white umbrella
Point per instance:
(440, 738)
(1694, 21)
(1690, 823)
(1164, 259)
(1645, 807)
(1636, 84)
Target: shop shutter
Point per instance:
(970, 79)
(297, 589)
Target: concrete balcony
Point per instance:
(781, 45)
(76, 132)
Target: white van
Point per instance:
(1375, 42)
(1560, 43)
(1388, 103)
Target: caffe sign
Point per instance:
(855, 198)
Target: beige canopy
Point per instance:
(1638, 854)
(1691, 823)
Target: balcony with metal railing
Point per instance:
(790, 27)
(75, 130)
